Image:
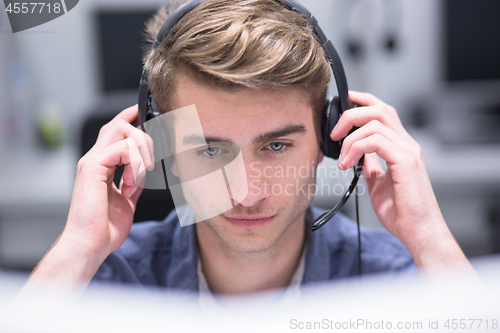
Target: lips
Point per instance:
(249, 221)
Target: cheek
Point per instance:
(293, 180)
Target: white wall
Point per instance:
(62, 57)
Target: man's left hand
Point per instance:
(401, 195)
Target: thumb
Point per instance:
(132, 193)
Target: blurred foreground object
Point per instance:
(386, 302)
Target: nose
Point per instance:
(258, 186)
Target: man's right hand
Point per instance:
(100, 214)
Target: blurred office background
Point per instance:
(436, 61)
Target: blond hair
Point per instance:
(238, 43)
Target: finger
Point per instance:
(135, 196)
(369, 129)
(146, 147)
(367, 99)
(124, 153)
(129, 114)
(360, 116)
(134, 173)
(133, 192)
(118, 130)
(375, 143)
(364, 99)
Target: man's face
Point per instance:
(274, 129)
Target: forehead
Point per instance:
(243, 113)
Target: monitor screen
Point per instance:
(472, 40)
(121, 43)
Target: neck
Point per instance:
(231, 272)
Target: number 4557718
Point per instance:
(471, 324)
(31, 7)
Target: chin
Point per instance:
(249, 245)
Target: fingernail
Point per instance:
(344, 164)
(334, 131)
(133, 191)
(340, 161)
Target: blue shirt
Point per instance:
(164, 254)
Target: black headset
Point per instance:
(333, 109)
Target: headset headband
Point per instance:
(333, 56)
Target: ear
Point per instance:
(321, 156)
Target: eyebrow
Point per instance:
(200, 140)
(286, 130)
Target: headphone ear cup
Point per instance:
(331, 116)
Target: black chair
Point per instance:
(152, 204)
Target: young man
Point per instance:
(258, 77)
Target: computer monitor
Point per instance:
(469, 107)
(121, 43)
(472, 45)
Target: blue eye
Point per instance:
(277, 146)
(211, 151)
